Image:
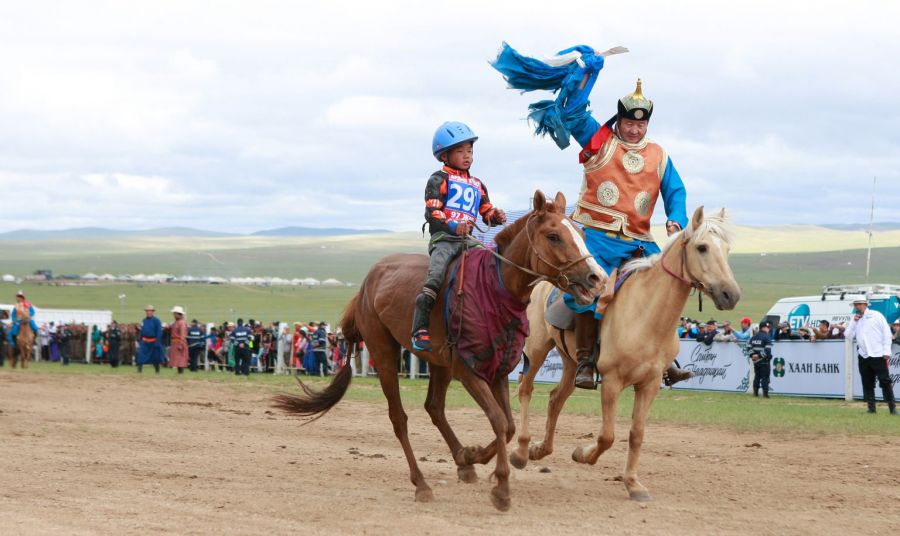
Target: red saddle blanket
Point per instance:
(486, 323)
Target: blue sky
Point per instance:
(237, 117)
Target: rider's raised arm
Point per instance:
(674, 195)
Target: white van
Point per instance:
(835, 305)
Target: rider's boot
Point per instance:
(421, 337)
(673, 375)
(586, 350)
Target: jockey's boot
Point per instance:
(673, 375)
(586, 350)
(421, 337)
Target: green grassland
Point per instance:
(764, 278)
(735, 411)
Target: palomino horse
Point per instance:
(535, 247)
(24, 344)
(638, 339)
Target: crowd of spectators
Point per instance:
(311, 348)
(711, 331)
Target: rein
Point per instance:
(692, 282)
(561, 280)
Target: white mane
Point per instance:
(715, 223)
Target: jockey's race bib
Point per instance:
(463, 198)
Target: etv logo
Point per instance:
(799, 316)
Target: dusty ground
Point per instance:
(120, 455)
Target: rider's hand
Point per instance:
(499, 216)
(463, 228)
(672, 227)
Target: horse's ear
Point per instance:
(697, 218)
(721, 214)
(560, 203)
(540, 201)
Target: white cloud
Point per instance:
(282, 113)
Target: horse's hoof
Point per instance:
(517, 461)
(467, 474)
(578, 455)
(500, 502)
(424, 495)
(640, 495)
(537, 452)
(469, 455)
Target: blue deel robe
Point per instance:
(151, 353)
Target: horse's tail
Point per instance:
(314, 403)
(348, 321)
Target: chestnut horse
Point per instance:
(638, 340)
(24, 349)
(534, 248)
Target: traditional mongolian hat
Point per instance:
(20, 293)
(635, 106)
(149, 308)
(178, 310)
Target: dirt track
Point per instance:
(121, 455)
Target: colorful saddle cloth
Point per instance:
(486, 323)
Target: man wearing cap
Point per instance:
(746, 330)
(113, 337)
(150, 349)
(873, 349)
(896, 330)
(320, 350)
(196, 343)
(624, 173)
(241, 338)
(178, 348)
(761, 355)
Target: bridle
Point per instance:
(561, 280)
(693, 282)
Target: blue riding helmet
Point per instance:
(449, 135)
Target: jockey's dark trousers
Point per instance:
(441, 255)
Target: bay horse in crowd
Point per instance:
(544, 244)
(638, 340)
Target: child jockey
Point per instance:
(624, 173)
(23, 309)
(453, 201)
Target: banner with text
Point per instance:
(722, 366)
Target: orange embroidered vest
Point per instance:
(620, 187)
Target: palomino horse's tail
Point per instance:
(314, 403)
(348, 321)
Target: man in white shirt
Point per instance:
(873, 346)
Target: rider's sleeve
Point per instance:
(435, 196)
(674, 195)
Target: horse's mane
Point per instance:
(713, 223)
(505, 237)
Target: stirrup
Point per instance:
(421, 341)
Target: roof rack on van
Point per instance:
(870, 288)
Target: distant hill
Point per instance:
(316, 231)
(83, 233)
(88, 233)
(877, 226)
